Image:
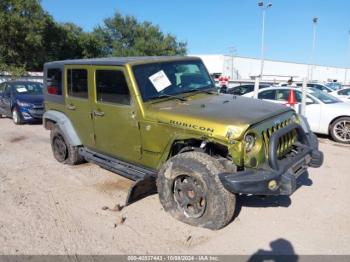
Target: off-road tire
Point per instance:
(17, 117)
(219, 203)
(332, 130)
(69, 154)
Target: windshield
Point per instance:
(28, 88)
(323, 96)
(164, 79)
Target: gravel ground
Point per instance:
(50, 208)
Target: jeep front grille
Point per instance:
(286, 142)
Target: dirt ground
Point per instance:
(50, 208)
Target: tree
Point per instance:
(62, 41)
(22, 23)
(125, 36)
(29, 37)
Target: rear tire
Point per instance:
(62, 150)
(340, 130)
(17, 117)
(190, 190)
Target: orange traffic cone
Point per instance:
(291, 99)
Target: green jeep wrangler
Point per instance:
(161, 122)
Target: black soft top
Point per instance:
(119, 61)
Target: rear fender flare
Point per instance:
(65, 125)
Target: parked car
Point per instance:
(243, 89)
(342, 94)
(318, 86)
(334, 85)
(161, 122)
(22, 100)
(325, 113)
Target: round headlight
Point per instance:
(250, 140)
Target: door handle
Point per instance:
(70, 107)
(98, 113)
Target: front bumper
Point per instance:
(32, 114)
(281, 176)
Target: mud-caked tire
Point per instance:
(63, 151)
(190, 190)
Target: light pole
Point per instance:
(314, 22)
(232, 51)
(263, 7)
(347, 59)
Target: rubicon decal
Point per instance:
(193, 126)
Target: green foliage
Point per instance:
(125, 36)
(14, 71)
(22, 23)
(29, 37)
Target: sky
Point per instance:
(212, 27)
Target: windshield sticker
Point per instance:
(160, 81)
(21, 89)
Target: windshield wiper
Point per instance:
(169, 96)
(209, 91)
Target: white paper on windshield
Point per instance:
(160, 81)
(22, 90)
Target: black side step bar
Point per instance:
(117, 166)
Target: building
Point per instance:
(31, 76)
(245, 68)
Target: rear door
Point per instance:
(115, 116)
(78, 90)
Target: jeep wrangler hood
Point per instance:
(214, 114)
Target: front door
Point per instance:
(6, 100)
(78, 89)
(2, 90)
(115, 118)
(313, 114)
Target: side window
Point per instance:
(54, 81)
(299, 96)
(7, 91)
(319, 87)
(235, 91)
(283, 95)
(77, 83)
(345, 92)
(246, 89)
(111, 87)
(270, 95)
